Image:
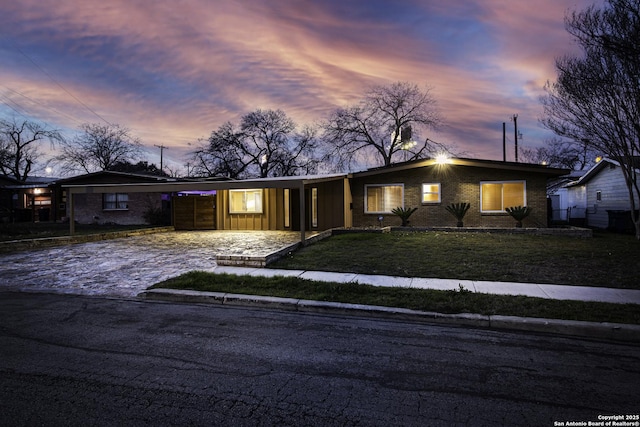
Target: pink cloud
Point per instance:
(175, 70)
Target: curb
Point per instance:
(604, 330)
(11, 246)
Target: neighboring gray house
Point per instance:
(604, 195)
(566, 203)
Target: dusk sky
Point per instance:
(174, 70)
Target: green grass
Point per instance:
(606, 260)
(460, 301)
(29, 230)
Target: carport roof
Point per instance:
(177, 186)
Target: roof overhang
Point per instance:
(492, 164)
(176, 187)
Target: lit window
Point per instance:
(245, 201)
(383, 198)
(115, 201)
(430, 193)
(314, 207)
(287, 214)
(496, 196)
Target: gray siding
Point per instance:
(615, 196)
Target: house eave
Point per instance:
(176, 187)
(523, 167)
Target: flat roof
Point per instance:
(175, 187)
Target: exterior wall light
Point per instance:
(442, 159)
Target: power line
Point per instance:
(6, 102)
(38, 103)
(59, 85)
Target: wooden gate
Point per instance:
(194, 212)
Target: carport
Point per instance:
(326, 197)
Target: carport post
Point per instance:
(302, 213)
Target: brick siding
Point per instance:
(458, 184)
(88, 209)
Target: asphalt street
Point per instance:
(87, 360)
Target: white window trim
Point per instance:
(520, 181)
(439, 193)
(366, 189)
(247, 190)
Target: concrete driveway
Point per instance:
(127, 266)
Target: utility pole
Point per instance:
(515, 134)
(504, 142)
(162, 148)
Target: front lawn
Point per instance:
(606, 260)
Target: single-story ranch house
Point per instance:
(321, 202)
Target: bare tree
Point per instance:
(596, 98)
(384, 125)
(561, 153)
(219, 155)
(19, 146)
(265, 144)
(99, 147)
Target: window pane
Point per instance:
(287, 215)
(236, 201)
(491, 197)
(430, 193)
(374, 199)
(108, 201)
(392, 197)
(497, 196)
(314, 207)
(245, 201)
(513, 194)
(383, 198)
(122, 200)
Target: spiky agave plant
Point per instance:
(404, 214)
(518, 213)
(459, 210)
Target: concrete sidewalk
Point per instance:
(598, 330)
(560, 292)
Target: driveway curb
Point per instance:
(604, 330)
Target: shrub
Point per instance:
(404, 214)
(518, 213)
(459, 210)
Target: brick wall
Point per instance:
(458, 184)
(88, 209)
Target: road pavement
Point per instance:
(78, 360)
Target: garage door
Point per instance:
(194, 212)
